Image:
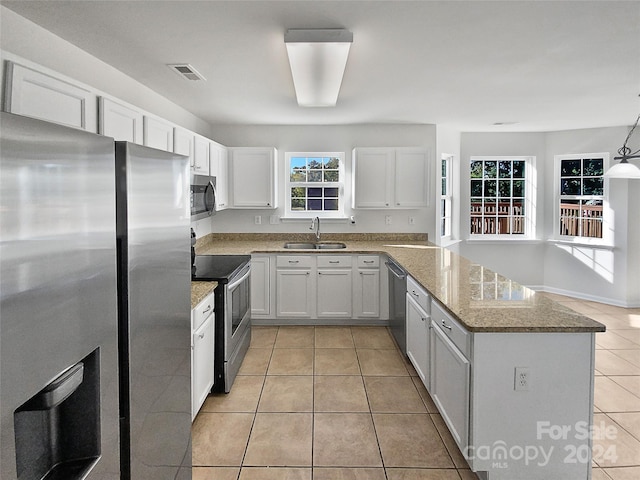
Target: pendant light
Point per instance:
(624, 169)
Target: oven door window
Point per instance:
(239, 302)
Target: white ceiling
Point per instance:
(547, 65)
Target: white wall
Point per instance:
(342, 138)
(21, 37)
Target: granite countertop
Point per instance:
(199, 290)
(482, 300)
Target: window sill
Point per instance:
(448, 242)
(309, 218)
(521, 240)
(581, 243)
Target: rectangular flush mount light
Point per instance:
(318, 58)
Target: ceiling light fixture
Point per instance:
(624, 169)
(317, 58)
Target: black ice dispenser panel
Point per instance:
(58, 429)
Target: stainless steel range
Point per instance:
(232, 312)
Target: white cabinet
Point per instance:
(295, 286)
(390, 178)
(219, 168)
(200, 155)
(252, 179)
(157, 133)
(183, 144)
(52, 98)
(334, 286)
(202, 353)
(122, 122)
(260, 286)
(450, 370)
(366, 287)
(418, 329)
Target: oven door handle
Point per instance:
(233, 285)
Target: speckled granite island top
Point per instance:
(482, 300)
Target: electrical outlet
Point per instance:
(387, 219)
(257, 219)
(521, 379)
(274, 219)
(412, 220)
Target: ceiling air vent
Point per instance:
(186, 71)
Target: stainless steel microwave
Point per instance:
(203, 196)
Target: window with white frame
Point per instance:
(501, 196)
(315, 184)
(445, 196)
(580, 195)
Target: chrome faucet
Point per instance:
(315, 223)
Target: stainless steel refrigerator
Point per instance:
(94, 312)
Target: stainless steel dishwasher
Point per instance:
(397, 303)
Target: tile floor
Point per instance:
(338, 403)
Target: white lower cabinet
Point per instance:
(367, 287)
(418, 330)
(295, 286)
(260, 286)
(334, 285)
(202, 353)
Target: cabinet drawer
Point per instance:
(368, 261)
(451, 328)
(419, 294)
(294, 261)
(202, 311)
(331, 261)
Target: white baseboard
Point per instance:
(583, 296)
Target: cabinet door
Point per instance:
(121, 122)
(252, 176)
(366, 293)
(260, 287)
(39, 95)
(372, 177)
(219, 168)
(202, 365)
(418, 339)
(157, 134)
(183, 144)
(450, 385)
(200, 155)
(295, 293)
(411, 172)
(334, 293)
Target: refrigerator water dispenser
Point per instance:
(58, 429)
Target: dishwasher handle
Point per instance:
(397, 271)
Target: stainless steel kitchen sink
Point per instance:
(314, 246)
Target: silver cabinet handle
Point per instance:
(201, 335)
(368, 261)
(446, 326)
(413, 292)
(294, 261)
(334, 261)
(423, 319)
(207, 309)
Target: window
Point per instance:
(314, 184)
(581, 195)
(445, 196)
(501, 193)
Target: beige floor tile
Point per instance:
(424, 394)
(599, 474)
(611, 397)
(631, 356)
(334, 337)
(449, 443)
(295, 337)
(467, 475)
(328, 473)
(243, 397)
(336, 361)
(372, 337)
(630, 383)
(291, 361)
(628, 473)
(256, 361)
(614, 340)
(339, 393)
(280, 439)
(220, 439)
(610, 364)
(633, 334)
(393, 395)
(275, 473)
(422, 474)
(630, 421)
(410, 440)
(215, 473)
(263, 337)
(345, 440)
(381, 362)
(622, 450)
(287, 393)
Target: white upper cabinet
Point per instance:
(219, 168)
(121, 122)
(252, 177)
(158, 133)
(200, 155)
(36, 94)
(183, 144)
(390, 178)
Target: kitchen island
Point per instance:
(517, 391)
